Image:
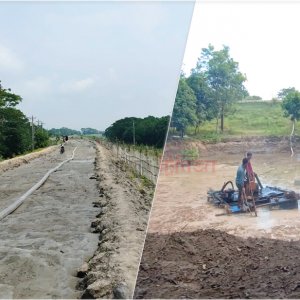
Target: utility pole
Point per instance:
(40, 123)
(32, 134)
(133, 131)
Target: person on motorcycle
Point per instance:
(62, 149)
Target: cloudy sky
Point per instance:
(262, 36)
(88, 64)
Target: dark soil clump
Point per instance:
(214, 264)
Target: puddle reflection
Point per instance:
(267, 217)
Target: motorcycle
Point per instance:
(62, 149)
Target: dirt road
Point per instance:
(47, 238)
(88, 220)
(201, 255)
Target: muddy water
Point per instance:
(181, 196)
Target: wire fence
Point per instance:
(142, 162)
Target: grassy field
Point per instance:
(248, 119)
(147, 150)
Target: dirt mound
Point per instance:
(235, 145)
(214, 264)
(253, 144)
(124, 204)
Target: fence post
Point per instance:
(152, 172)
(141, 163)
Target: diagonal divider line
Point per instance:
(12, 207)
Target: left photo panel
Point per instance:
(86, 94)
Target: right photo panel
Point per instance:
(225, 220)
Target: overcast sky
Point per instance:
(89, 64)
(263, 38)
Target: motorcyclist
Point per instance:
(62, 149)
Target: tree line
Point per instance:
(15, 127)
(64, 131)
(89, 131)
(150, 131)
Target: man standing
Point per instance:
(249, 170)
(240, 178)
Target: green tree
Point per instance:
(63, 131)
(15, 129)
(184, 111)
(14, 126)
(284, 92)
(15, 135)
(152, 131)
(205, 108)
(86, 131)
(223, 77)
(291, 107)
(149, 131)
(121, 130)
(41, 137)
(8, 99)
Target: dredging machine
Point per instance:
(253, 197)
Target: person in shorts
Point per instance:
(240, 179)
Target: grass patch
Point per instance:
(146, 183)
(146, 150)
(142, 183)
(248, 119)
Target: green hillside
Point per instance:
(248, 119)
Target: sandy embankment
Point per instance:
(24, 159)
(124, 203)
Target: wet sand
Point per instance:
(181, 196)
(48, 237)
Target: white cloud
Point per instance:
(9, 61)
(78, 85)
